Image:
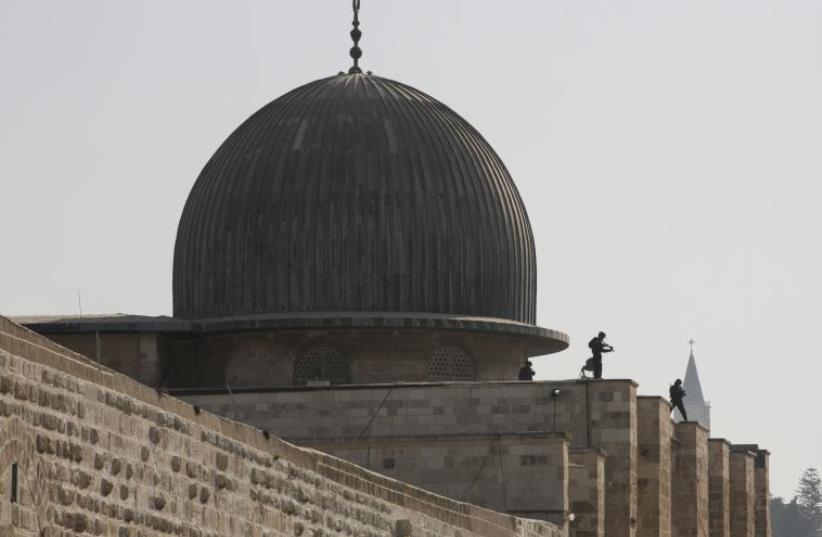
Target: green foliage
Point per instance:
(799, 517)
(788, 519)
(809, 493)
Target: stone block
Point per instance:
(655, 430)
(742, 492)
(586, 492)
(719, 522)
(689, 494)
(762, 493)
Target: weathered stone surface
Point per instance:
(719, 521)
(496, 471)
(762, 486)
(762, 516)
(689, 498)
(262, 358)
(586, 492)
(654, 467)
(266, 488)
(600, 415)
(202, 467)
(742, 492)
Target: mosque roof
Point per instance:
(355, 193)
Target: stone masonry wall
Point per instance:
(654, 467)
(762, 514)
(599, 414)
(586, 489)
(762, 487)
(496, 471)
(136, 355)
(267, 358)
(689, 499)
(96, 453)
(719, 509)
(742, 493)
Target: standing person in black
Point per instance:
(598, 346)
(677, 394)
(526, 372)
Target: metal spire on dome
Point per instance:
(356, 34)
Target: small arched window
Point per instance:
(450, 362)
(322, 363)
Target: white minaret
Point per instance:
(695, 405)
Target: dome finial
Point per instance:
(356, 34)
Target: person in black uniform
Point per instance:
(525, 372)
(677, 394)
(597, 346)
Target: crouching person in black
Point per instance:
(526, 372)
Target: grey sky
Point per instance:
(669, 154)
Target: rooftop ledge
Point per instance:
(225, 390)
(538, 340)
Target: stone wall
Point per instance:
(719, 510)
(600, 414)
(616, 475)
(134, 354)
(761, 488)
(96, 453)
(267, 359)
(496, 471)
(742, 493)
(689, 498)
(586, 490)
(654, 467)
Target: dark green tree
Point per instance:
(809, 493)
(788, 519)
(778, 516)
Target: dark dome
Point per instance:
(355, 193)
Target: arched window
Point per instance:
(450, 362)
(322, 363)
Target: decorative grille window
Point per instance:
(322, 363)
(450, 362)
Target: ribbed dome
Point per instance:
(355, 193)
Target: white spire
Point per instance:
(691, 385)
(694, 402)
